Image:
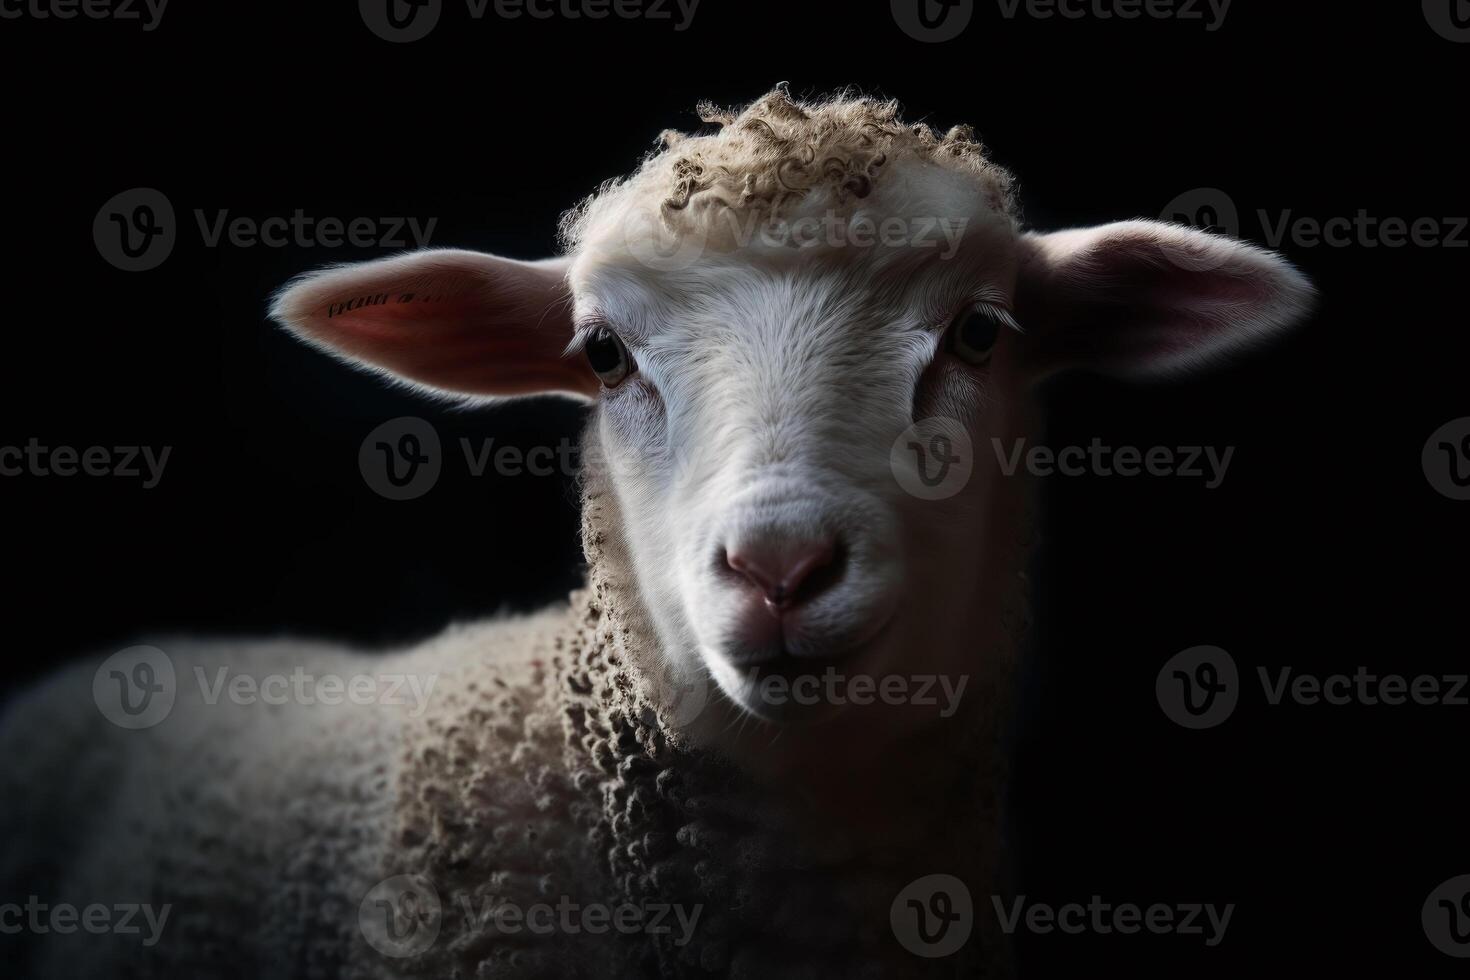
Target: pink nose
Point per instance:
(786, 572)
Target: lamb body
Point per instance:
(616, 753)
(539, 773)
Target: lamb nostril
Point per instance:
(786, 572)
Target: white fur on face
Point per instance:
(780, 360)
(772, 384)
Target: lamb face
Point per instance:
(775, 368)
(807, 335)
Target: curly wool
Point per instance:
(577, 782)
(545, 768)
(777, 152)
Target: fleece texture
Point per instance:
(544, 769)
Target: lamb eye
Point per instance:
(609, 357)
(973, 333)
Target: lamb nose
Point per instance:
(786, 572)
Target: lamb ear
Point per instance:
(1142, 297)
(453, 321)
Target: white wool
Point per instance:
(608, 752)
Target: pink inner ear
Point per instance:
(1141, 296)
(455, 321)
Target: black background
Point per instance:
(1324, 549)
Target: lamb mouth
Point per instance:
(789, 688)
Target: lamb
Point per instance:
(782, 493)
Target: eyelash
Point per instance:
(985, 302)
(580, 335)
